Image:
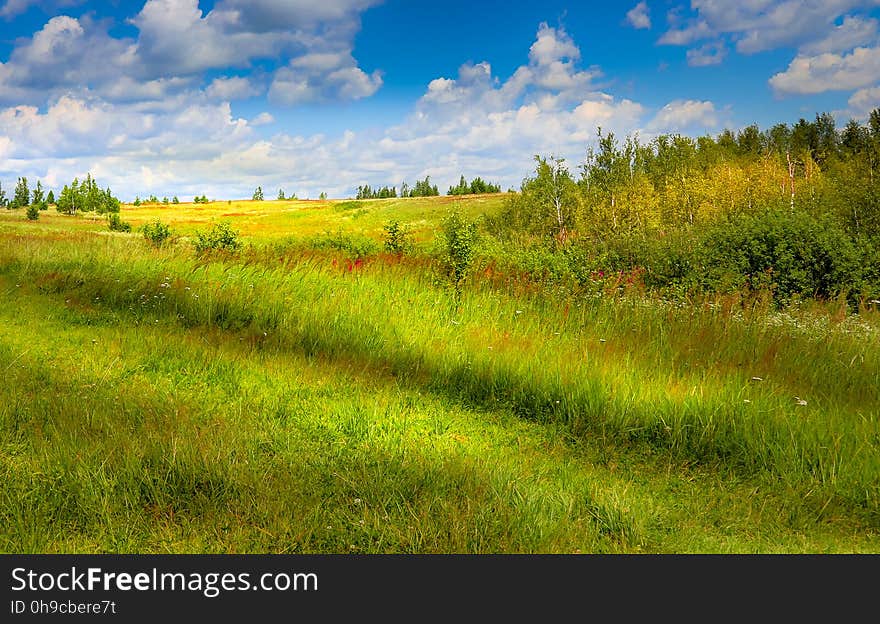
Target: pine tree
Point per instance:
(258, 194)
(22, 196)
(50, 198)
(281, 196)
(2, 197)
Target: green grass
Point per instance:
(277, 401)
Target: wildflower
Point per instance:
(757, 379)
(799, 401)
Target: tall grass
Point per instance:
(697, 385)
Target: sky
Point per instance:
(181, 97)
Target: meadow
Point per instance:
(309, 396)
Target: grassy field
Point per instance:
(280, 400)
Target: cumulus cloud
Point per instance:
(853, 32)
(829, 72)
(231, 88)
(708, 54)
(322, 76)
(686, 116)
(177, 43)
(863, 101)
(190, 142)
(760, 25)
(639, 16)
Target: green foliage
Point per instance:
(366, 192)
(545, 207)
(200, 200)
(322, 196)
(398, 239)
(137, 201)
(116, 224)
(156, 233)
(175, 200)
(786, 253)
(86, 196)
(221, 237)
(50, 198)
(3, 200)
(258, 194)
(354, 246)
(475, 187)
(33, 212)
(423, 188)
(459, 239)
(281, 196)
(22, 194)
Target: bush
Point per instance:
(459, 244)
(397, 238)
(220, 238)
(157, 233)
(116, 224)
(33, 212)
(789, 253)
(354, 246)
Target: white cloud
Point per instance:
(639, 16)
(708, 54)
(231, 88)
(262, 119)
(758, 25)
(829, 72)
(686, 116)
(863, 101)
(190, 142)
(320, 77)
(851, 33)
(177, 43)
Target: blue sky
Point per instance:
(179, 97)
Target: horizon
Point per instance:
(186, 98)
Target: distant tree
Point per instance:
(22, 195)
(153, 200)
(38, 198)
(750, 141)
(137, 201)
(165, 200)
(281, 196)
(38, 194)
(33, 212)
(258, 194)
(174, 200)
(2, 197)
(322, 196)
(50, 198)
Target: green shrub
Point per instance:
(157, 233)
(459, 239)
(116, 224)
(221, 237)
(354, 246)
(397, 238)
(789, 253)
(33, 212)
